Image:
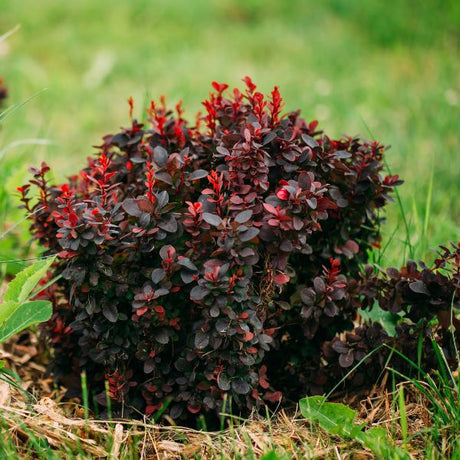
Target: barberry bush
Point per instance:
(211, 265)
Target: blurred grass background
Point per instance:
(384, 70)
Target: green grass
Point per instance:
(359, 67)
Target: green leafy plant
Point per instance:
(18, 311)
(339, 419)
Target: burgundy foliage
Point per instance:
(418, 295)
(215, 260)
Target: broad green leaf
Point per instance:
(339, 419)
(335, 418)
(388, 320)
(374, 437)
(7, 309)
(22, 286)
(24, 316)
